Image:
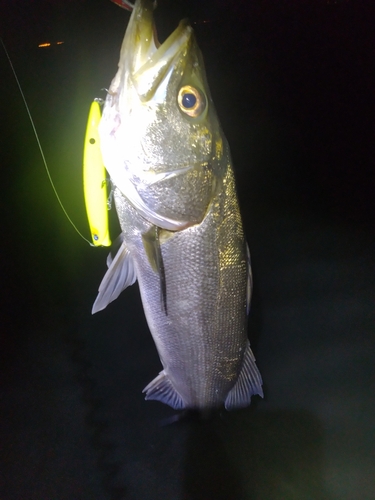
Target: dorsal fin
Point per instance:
(248, 383)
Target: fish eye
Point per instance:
(191, 101)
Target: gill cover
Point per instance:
(94, 181)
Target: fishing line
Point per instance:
(40, 146)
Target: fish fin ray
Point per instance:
(120, 275)
(151, 244)
(249, 383)
(115, 247)
(161, 389)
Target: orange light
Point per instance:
(47, 44)
(59, 43)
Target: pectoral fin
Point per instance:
(151, 243)
(248, 384)
(120, 275)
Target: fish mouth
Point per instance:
(143, 57)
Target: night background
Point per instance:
(293, 83)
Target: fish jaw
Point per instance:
(146, 140)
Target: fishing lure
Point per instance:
(124, 4)
(94, 180)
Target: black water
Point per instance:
(293, 83)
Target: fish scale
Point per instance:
(202, 340)
(182, 236)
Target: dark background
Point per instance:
(293, 83)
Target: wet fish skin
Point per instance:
(182, 234)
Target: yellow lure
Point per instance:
(94, 181)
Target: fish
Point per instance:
(182, 235)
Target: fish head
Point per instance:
(159, 131)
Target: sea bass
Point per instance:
(182, 236)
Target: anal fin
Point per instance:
(161, 389)
(249, 383)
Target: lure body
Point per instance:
(94, 181)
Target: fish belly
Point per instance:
(201, 333)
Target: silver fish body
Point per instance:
(182, 235)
